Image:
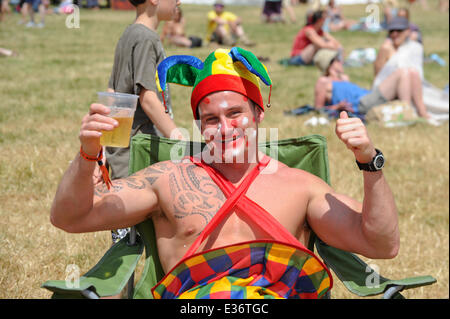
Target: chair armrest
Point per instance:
(107, 278)
(362, 280)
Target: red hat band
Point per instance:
(225, 82)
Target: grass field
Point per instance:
(45, 91)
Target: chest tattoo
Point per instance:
(194, 193)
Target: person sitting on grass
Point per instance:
(224, 27)
(335, 19)
(334, 91)
(272, 11)
(310, 39)
(173, 32)
(216, 205)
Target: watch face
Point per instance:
(379, 162)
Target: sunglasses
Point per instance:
(396, 30)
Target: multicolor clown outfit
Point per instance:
(278, 267)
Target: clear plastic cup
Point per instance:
(122, 107)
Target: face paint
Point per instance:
(233, 123)
(206, 100)
(245, 120)
(223, 104)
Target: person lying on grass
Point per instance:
(334, 91)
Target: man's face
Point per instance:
(167, 9)
(229, 124)
(218, 8)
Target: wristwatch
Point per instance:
(376, 164)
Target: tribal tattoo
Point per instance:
(194, 193)
(135, 181)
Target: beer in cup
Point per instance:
(122, 107)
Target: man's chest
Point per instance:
(191, 200)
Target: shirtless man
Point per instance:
(181, 198)
(174, 32)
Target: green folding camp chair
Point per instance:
(116, 269)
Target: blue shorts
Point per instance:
(34, 4)
(297, 60)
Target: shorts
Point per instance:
(370, 100)
(34, 4)
(272, 7)
(228, 39)
(297, 60)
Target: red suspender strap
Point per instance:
(255, 213)
(227, 207)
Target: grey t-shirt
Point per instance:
(137, 55)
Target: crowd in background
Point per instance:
(314, 44)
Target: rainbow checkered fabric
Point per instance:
(253, 270)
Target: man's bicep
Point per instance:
(129, 201)
(336, 219)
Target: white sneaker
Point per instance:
(313, 121)
(40, 25)
(30, 24)
(323, 120)
(433, 122)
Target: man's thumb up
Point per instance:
(354, 134)
(343, 115)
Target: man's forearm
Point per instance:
(379, 216)
(74, 196)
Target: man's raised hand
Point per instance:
(91, 127)
(353, 133)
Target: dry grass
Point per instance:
(45, 91)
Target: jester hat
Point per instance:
(235, 70)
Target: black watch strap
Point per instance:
(376, 164)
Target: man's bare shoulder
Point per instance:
(154, 172)
(162, 172)
(292, 176)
